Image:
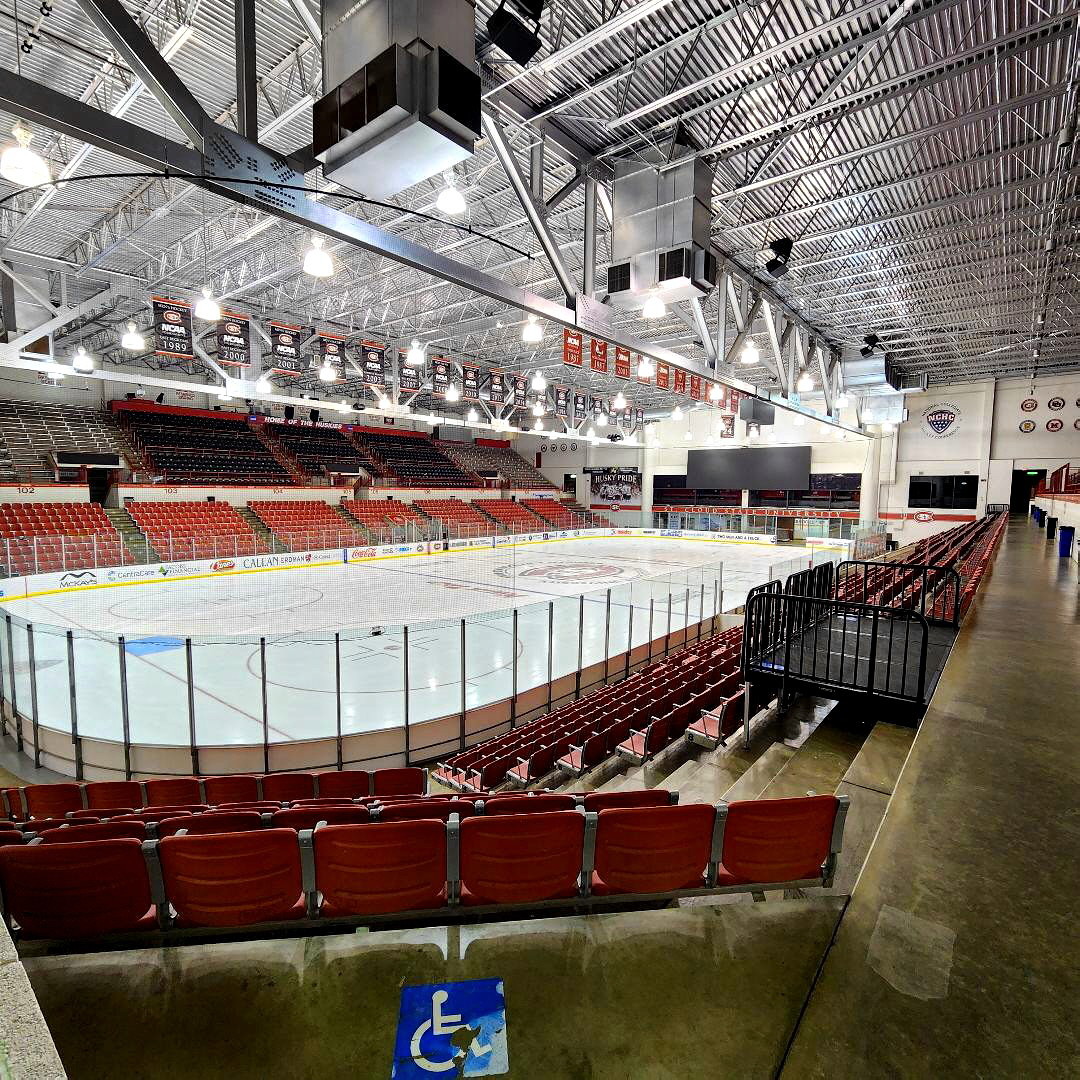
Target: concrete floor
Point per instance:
(958, 953)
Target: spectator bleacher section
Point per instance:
(511, 516)
(456, 517)
(201, 447)
(415, 460)
(31, 430)
(318, 450)
(380, 516)
(195, 530)
(486, 459)
(40, 538)
(554, 513)
(305, 525)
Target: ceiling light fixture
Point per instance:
(714, 392)
(619, 401)
(20, 165)
(327, 373)
(538, 426)
(750, 353)
(689, 435)
(318, 262)
(132, 340)
(888, 427)
(842, 401)
(532, 332)
(207, 309)
(539, 383)
(450, 200)
(538, 409)
(453, 393)
(805, 383)
(676, 414)
(752, 431)
(798, 421)
(415, 356)
(872, 341)
(654, 306)
(82, 360)
(472, 416)
(263, 385)
(601, 420)
(781, 249)
(646, 369)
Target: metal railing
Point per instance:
(932, 591)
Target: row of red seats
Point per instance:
(393, 868)
(55, 800)
(511, 515)
(553, 512)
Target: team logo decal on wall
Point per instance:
(1076, 422)
(1027, 426)
(1056, 403)
(941, 420)
(1055, 424)
(1029, 404)
(923, 515)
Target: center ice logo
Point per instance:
(563, 573)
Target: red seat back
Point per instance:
(233, 879)
(778, 839)
(307, 817)
(372, 869)
(105, 794)
(439, 809)
(76, 890)
(596, 801)
(654, 848)
(11, 836)
(521, 858)
(398, 782)
(52, 800)
(344, 784)
(289, 786)
(219, 822)
(102, 830)
(528, 804)
(172, 791)
(228, 789)
(41, 825)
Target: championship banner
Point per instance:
(440, 374)
(695, 387)
(598, 355)
(727, 427)
(408, 377)
(734, 397)
(571, 347)
(628, 417)
(286, 357)
(597, 406)
(639, 417)
(330, 347)
(622, 362)
(373, 364)
(663, 376)
(581, 406)
(614, 489)
(470, 382)
(497, 389)
(172, 328)
(521, 391)
(562, 401)
(678, 381)
(234, 340)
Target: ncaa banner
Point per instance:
(470, 382)
(330, 349)
(408, 377)
(663, 376)
(695, 387)
(628, 417)
(497, 388)
(373, 364)
(440, 374)
(597, 406)
(286, 355)
(598, 356)
(571, 347)
(581, 406)
(678, 380)
(639, 417)
(234, 340)
(521, 392)
(562, 401)
(622, 362)
(172, 328)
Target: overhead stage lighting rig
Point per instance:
(871, 342)
(777, 266)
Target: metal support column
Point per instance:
(337, 697)
(514, 672)
(247, 94)
(265, 709)
(589, 270)
(190, 661)
(35, 729)
(74, 707)
(405, 673)
(461, 730)
(125, 714)
(16, 719)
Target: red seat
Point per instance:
(439, 809)
(409, 781)
(233, 879)
(230, 789)
(11, 836)
(40, 825)
(102, 830)
(102, 813)
(172, 791)
(375, 869)
(344, 784)
(288, 786)
(595, 801)
(520, 858)
(528, 804)
(652, 849)
(113, 793)
(774, 840)
(52, 800)
(220, 822)
(76, 890)
(307, 817)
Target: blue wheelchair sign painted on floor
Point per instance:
(451, 1029)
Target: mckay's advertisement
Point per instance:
(614, 488)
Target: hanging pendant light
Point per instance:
(715, 393)
(619, 401)
(343, 406)
(538, 426)
(601, 420)
(132, 340)
(327, 373)
(646, 369)
(888, 427)
(750, 353)
(532, 332)
(676, 414)
(450, 200)
(654, 307)
(798, 421)
(688, 435)
(20, 165)
(752, 431)
(207, 309)
(538, 409)
(415, 356)
(472, 416)
(318, 262)
(263, 385)
(842, 400)
(805, 383)
(82, 360)
(453, 393)
(539, 383)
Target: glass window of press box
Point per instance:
(943, 492)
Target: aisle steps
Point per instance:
(134, 538)
(260, 528)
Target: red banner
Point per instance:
(622, 362)
(571, 347)
(678, 383)
(695, 387)
(598, 355)
(663, 376)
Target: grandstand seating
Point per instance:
(379, 516)
(45, 537)
(456, 516)
(189, 446)
(619, 849)
(305, 525)
(486, 460)
(512, 516)
(31, 430)
(554, 513)
(195, 530)
(318, 450)
(415, 460)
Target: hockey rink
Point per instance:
(322, 625)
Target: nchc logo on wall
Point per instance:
(941, 420)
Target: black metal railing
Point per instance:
(932, 591)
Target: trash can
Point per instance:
(1065, 541)
(1039, 517)
(1051, 527)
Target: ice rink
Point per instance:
(461, 597)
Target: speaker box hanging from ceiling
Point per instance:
(514, 27)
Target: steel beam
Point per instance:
(588, 275)
(568, 188)
(247, 90)
(307, 20)
(103, 299)
(701, 328)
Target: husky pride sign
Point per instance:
(941, 420)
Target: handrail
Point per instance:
(931, 589)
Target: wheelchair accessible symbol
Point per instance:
(451, 1029)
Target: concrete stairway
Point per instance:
(260, 528)
(280, 454)
(134, 538)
